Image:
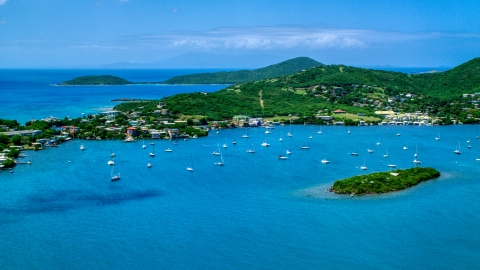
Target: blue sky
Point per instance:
(88, 33)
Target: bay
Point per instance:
(256, 212)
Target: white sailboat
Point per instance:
(112, 154)
(405, 146)
(265, 143)
(355, 153)
(190, 168)
(168, 149)
(234, 141)
(415, 160)
(280, 137)
(305, 146)
(216, 153)
(363, 167)
(457, 151)
(246, 134)
(113, 176)
(325, 161)
(82, 147)
(320, 131)
(438, 137)
(144, 146)
(282, 157)
(289, 134)
(289, 152)
(251, 150)
(348, 132)
(386, 154)
(370, 150)
(416, 152)
(149, 165)
(111, 162)
(221, 162)
(152, 154)
(378, 142)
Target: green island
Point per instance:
(242, 76)
(383, 182)
(96, 80)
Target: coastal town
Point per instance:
(160, 124)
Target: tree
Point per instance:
(4, 139)
(17, 140)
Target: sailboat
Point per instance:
(348, 132)
(112, 154)
(216, 153)
(386, 154)
(234, 141)
(405, 147)
(370, 150)
(363, 167)
(251, 150)
(282, 157)
(221, 162)
(245, 135)
(289, 134)
(190, 168)
(280, 137)
(457, 151)
(144, 146)
(149, 165)
(355, 153)
(111, 162)
(225, 144)
(168, 149)
(378, 142)
(319, 132)
(438, 137)
(415, 160)
(82, 147)
(265, 143)
(114, 177)
(152, 154)
(325, 161)
(152, 143)
(305, 146)
(289, 152)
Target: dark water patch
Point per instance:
(60, 201)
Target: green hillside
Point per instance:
(327, 88)
(96, 80)
(241, 76)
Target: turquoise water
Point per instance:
(256, 212)
(32, 94)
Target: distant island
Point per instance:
(96, 80)
(383, 182)
(234, 77)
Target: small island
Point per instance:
(383, 182)
(96, 80)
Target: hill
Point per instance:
(241, 76)
(96, 80)
(327, 88)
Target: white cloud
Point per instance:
(2, 2)
(175, 10)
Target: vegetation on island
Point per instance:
(382, 182)
(242, 76)
(320, 90)
(96, 80)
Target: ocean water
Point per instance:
(256, 212)
(33, 94)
